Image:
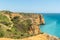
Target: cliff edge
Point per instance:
(19, 25)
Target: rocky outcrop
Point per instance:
(36, 21)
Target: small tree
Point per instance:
(15, 19)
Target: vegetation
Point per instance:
(1, 33)
(20, 25)
(3, 18)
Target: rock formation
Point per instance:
(25, 23)
(21, 25)
(36, 21)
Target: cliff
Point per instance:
(22, 24)
(15, 25)
(36, 21)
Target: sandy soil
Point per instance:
(37, 37)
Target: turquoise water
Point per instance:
(52, 24)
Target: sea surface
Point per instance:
(52, 24)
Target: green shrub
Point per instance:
(1, 33)
(15, 19)
(41, 32)
(3, 18)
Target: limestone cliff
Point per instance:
(36, 19)
(23, 24)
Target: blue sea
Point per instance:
(52, 24)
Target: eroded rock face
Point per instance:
(37, 20)
(42, 19)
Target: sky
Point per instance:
(34, 6)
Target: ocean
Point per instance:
(52, 24)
